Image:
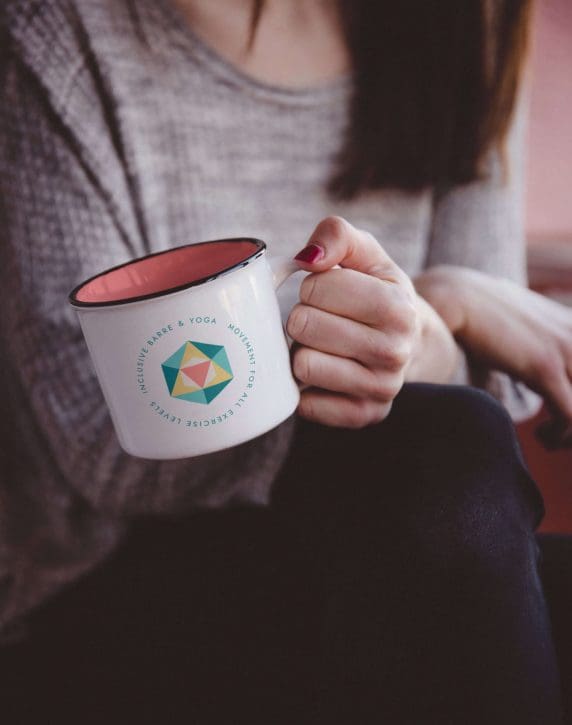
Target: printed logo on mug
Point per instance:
(188, 347)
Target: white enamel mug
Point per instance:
(190, 367)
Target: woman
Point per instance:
(394, 576)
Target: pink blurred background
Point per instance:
(549, 218)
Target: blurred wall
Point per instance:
(549, 218)
(549, 206)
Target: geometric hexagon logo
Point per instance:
(197, 372)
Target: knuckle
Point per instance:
(390, 354)
(333, 227)
(379, 301)
(378, 388)
(548, 364)
(384, 389)
(310, 288)
(394, 313)
(302, 365)
(358, 414)
(382, 411)
(398, 354)
(298, 321)
(409, 319)
(307, 407)
(375, 346)
(401, 311)
(368, 413)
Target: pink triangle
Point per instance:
(198, 373)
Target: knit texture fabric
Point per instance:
(122, 133)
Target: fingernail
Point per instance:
(310, 254)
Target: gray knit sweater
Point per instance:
(120, 134)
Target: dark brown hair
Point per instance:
(435, 87)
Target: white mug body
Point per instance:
(196, 370)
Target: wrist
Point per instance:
(444, 287)
(436, 356)
(462, 373)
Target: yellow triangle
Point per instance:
(221, 375)
(181, 387)
(190, 352)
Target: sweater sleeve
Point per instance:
(481, 225)
(58, 220)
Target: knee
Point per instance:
(476, 495)
(458, 427)
(474, 415)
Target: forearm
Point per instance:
(511, 336)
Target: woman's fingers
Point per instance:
(341, 375)
(339, 336)
(555, 384)
(556, 432)
(336, 241)
(341, 411)
(557, 389)
(357, 326)
(359, 296)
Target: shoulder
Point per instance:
(58, 19)
(56, 40)
(33, 28)
(55, 88)
(60, 51)
(44, 39)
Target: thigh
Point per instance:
(373, 570)
(442, 450)
(421, 528)
(191, 621)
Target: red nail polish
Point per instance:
(310, 254)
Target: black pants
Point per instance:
(393, 580)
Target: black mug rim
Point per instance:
(260, 246)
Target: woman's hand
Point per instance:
(509, 328)
(360, 329)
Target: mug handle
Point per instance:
(282, 268)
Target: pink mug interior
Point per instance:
(159, 274)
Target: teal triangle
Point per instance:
(197, 397)
(209, 350)
(175, 360)
(221, 359)
(170, 374)
(214, 390)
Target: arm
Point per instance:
(60, 222)
(480, 226)
(344, 313)
(507, 327)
